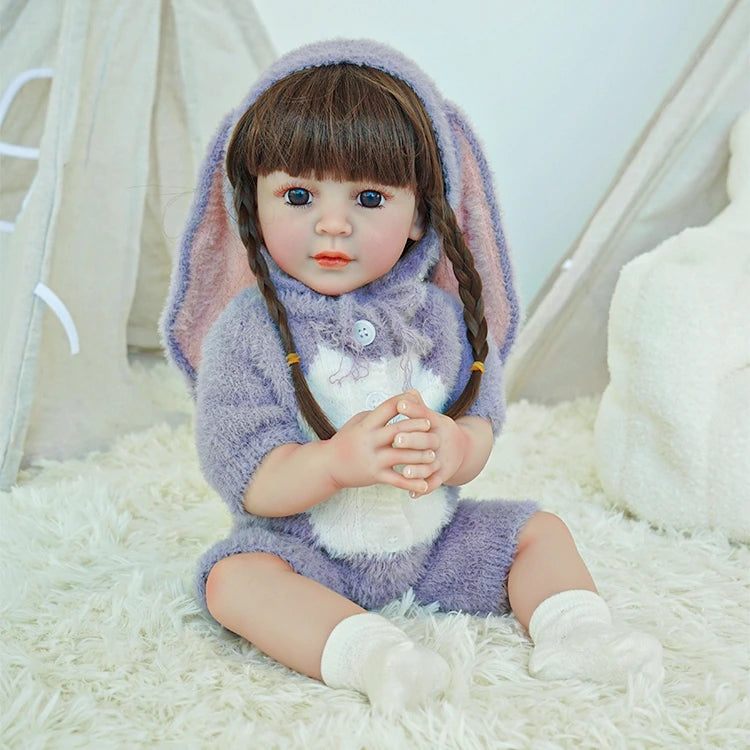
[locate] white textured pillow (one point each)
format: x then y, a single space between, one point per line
673 428
672 436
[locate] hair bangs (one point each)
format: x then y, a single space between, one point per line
336 122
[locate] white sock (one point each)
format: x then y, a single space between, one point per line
366 652
574 636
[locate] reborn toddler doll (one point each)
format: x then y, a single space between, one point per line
342 307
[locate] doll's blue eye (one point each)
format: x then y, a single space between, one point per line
297 196
370 199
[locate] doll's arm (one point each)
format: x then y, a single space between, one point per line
294 477
245 407
478 442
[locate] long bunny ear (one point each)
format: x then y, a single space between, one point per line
212 267
479 218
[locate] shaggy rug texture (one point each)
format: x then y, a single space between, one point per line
104 645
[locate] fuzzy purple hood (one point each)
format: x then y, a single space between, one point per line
212 268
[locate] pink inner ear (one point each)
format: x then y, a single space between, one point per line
475 219
444 276
218 271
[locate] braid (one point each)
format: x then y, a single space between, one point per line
470 292
244 203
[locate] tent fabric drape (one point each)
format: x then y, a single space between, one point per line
135 94
674 178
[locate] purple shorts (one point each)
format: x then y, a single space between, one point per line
465 569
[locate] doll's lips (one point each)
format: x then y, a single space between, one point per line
331 259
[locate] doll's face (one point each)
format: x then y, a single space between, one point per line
335 236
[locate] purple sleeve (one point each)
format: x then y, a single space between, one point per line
490 403
441 318
245 405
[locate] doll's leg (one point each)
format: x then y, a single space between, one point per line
553 595
316 631
287 616
546 562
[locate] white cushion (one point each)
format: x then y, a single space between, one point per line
673 430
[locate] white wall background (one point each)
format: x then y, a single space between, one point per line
558 90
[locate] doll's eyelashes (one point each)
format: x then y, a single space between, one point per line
297 196
370 199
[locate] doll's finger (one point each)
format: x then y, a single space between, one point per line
420 471
412 409
413 395
384 412
416 440
432 482
404 427
398 456
398 480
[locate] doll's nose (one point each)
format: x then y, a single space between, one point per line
334 223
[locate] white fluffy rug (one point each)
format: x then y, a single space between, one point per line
103 645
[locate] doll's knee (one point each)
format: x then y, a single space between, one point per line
542 527
236 573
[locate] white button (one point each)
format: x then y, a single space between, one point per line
374 399
364 332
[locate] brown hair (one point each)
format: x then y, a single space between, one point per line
348 122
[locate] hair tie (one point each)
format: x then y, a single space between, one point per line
477 366
292 359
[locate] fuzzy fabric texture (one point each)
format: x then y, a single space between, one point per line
105 646
245 407
464 569
245 398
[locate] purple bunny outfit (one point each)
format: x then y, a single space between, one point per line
403 330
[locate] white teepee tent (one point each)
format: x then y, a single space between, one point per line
106 112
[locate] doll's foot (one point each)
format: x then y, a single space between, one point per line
574 637
366 652
606 654
405 675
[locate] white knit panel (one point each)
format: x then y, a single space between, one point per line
381 519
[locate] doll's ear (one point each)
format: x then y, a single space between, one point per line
416 232
212 266
478 215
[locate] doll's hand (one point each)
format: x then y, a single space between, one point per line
365 450
445 438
